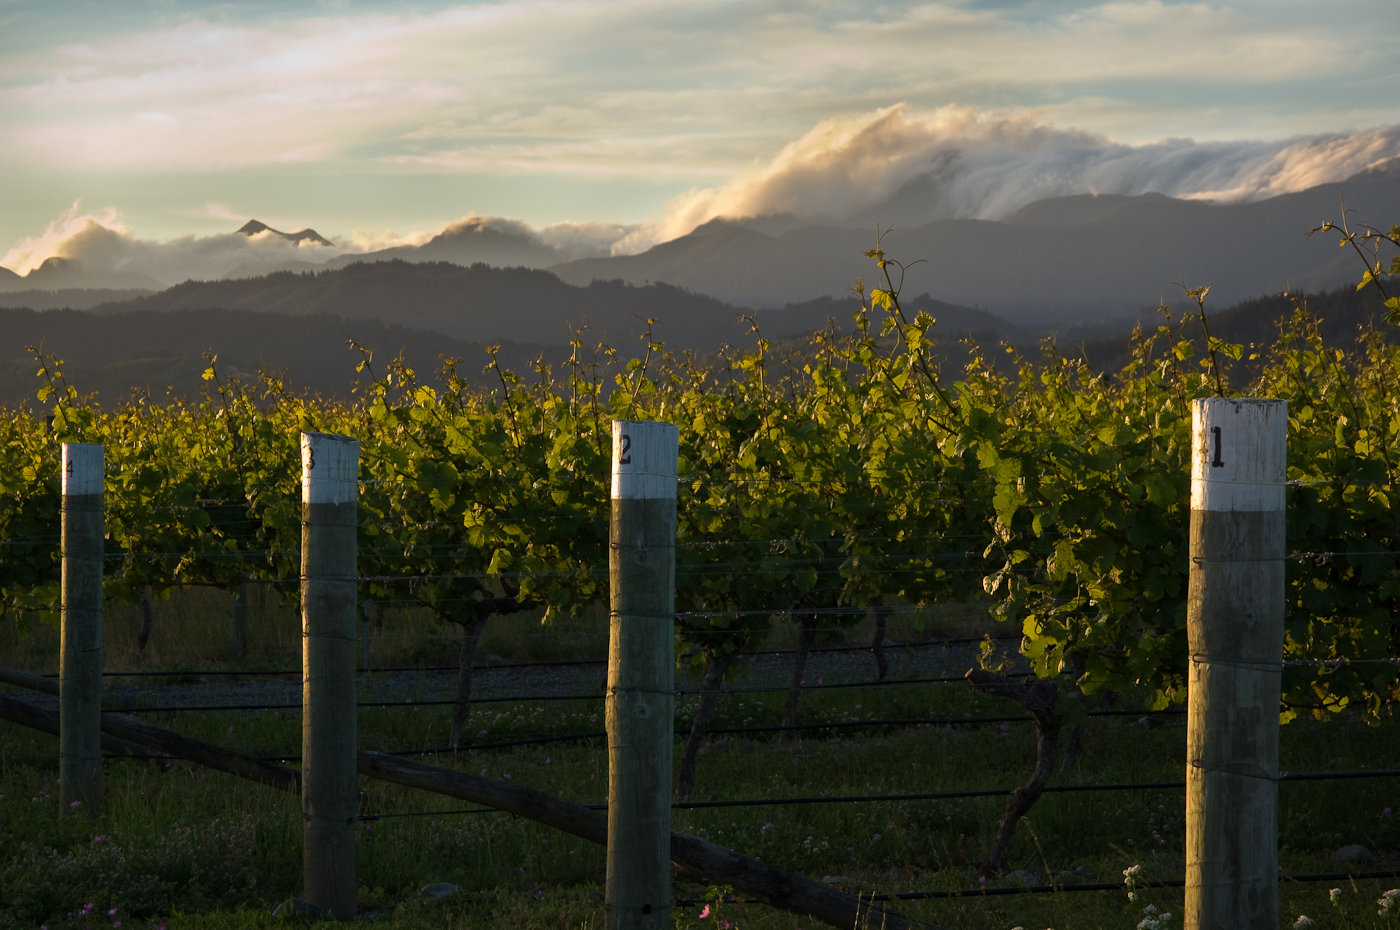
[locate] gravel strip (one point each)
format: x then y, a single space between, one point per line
497 679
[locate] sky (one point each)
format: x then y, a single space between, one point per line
630 121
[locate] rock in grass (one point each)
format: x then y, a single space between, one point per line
436 891
596 897
1023 877
296 907
1354 853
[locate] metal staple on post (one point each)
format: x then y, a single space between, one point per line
640 706
330 786
1235 613
80 660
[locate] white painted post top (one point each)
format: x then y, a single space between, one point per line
330 468
645 456
82 468
1239 454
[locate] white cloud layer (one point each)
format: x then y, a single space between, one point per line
887 166
102 243
893 167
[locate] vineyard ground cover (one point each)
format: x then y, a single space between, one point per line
930 846
164 820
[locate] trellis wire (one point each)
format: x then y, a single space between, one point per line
933 795
928 644
998 891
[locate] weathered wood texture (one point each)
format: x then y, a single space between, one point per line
1235 614
696 859
27 715
330 795
80 660
640 707
131 736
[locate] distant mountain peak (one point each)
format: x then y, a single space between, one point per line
253 227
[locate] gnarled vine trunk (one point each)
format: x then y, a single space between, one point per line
1039 698
805 637
471 638
145 635
716 666
877 644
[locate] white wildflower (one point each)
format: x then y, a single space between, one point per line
1152 920
1303 922
1130 877
1336 895
1388 901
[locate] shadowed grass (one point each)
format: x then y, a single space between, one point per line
187 848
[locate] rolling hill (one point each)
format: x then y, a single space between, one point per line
484 304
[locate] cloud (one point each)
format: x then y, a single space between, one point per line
100 242
895 166
31 251
220 211
585 240
675 90
363 240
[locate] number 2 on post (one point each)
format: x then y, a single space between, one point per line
624 455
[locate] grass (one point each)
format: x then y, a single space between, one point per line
181 847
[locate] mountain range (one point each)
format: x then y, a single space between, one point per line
57 274
253 227
1053 263
1066 259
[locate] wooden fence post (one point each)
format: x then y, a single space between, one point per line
1235 611
641 697
238 629
80 659
330 787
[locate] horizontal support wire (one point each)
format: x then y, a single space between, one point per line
998 891
689 543
848 724
830 724
929 644
943 796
